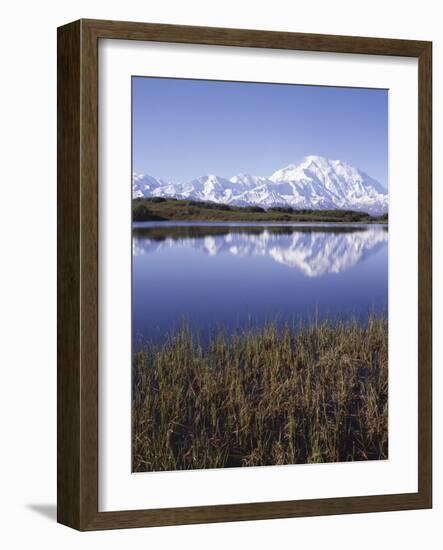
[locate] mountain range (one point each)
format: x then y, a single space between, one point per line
314 183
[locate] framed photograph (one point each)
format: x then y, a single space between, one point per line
244 274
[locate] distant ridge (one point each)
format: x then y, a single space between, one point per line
316 182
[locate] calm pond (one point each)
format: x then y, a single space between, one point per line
235 276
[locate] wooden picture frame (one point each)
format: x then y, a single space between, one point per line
78 274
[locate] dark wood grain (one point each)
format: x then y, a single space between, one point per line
425 273
78 270
89 275
68 276
254 38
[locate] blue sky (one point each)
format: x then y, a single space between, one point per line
183 129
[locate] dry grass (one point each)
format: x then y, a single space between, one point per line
265 397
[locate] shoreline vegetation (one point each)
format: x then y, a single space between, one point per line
263 397
161 209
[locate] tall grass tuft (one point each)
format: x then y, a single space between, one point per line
264 397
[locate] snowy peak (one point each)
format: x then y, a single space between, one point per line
144 185
289 173
325 183
334 175
248 181
210 183
315 182
206 188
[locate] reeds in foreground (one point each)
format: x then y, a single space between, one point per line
265 397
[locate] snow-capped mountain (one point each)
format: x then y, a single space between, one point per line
326 184
144 185
315 182
313 253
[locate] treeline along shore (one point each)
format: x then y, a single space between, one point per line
263 397
162 209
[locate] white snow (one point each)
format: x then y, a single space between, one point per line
315 182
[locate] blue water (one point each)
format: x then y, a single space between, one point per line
236 276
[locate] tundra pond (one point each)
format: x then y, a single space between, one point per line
231 277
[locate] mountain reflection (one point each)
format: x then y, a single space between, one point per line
313 250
